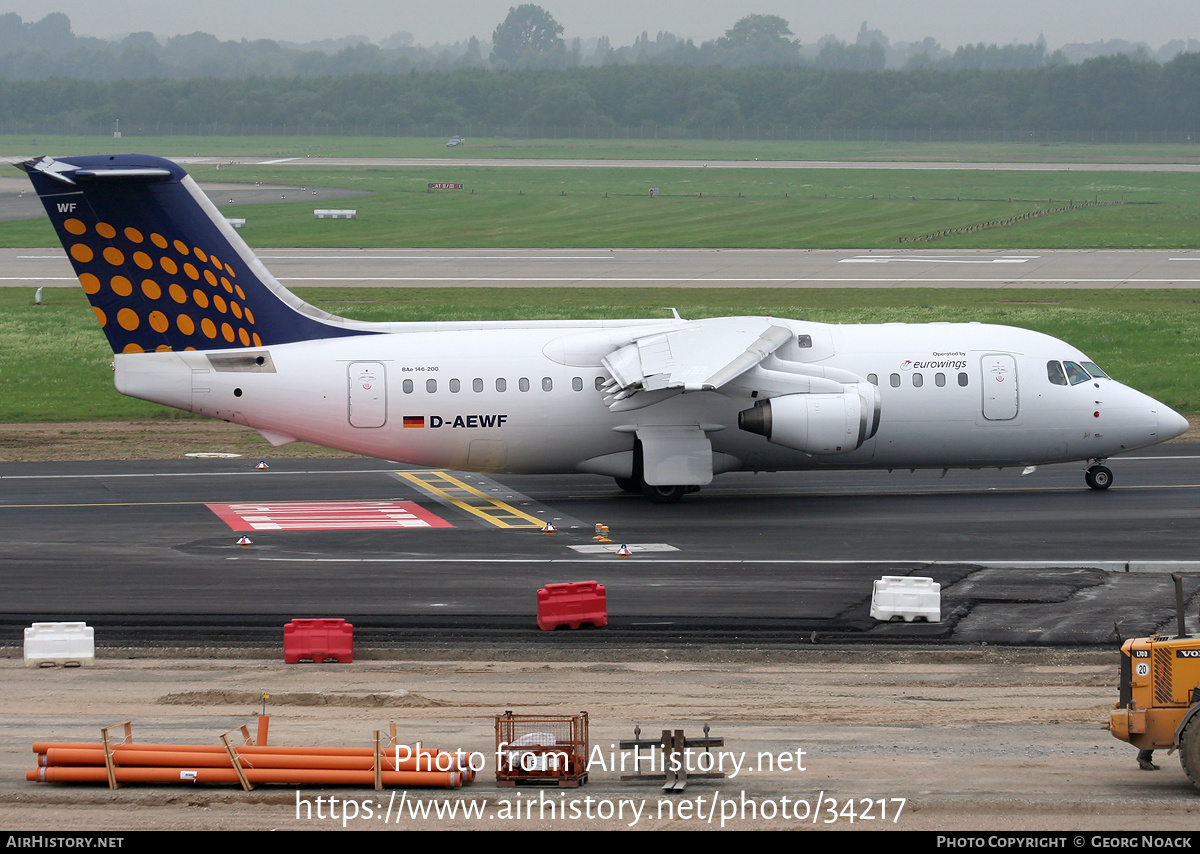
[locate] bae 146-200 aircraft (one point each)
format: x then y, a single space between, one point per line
197 322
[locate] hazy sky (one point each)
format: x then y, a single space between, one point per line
951 22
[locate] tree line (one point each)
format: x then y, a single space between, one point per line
1105 94
528 37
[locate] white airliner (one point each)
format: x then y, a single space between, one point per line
197 322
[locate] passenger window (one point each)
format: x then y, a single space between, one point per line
804 341
918 380
599 383
873 379
547 384
455 385
894 379
477 385
577 383
1075 373
939 380
501 385
431 385
1054 373
962 380
407 386
523 383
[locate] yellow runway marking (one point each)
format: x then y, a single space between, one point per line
444 486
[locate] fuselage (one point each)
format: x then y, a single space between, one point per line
492 397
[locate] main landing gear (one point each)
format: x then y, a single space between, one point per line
1098 476
663 494
654 494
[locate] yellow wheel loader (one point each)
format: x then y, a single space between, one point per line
1159 705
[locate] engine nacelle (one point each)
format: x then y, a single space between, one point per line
817 423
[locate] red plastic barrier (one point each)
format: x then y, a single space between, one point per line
319 640
572 604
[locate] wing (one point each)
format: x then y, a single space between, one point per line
702 355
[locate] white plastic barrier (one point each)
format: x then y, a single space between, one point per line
66 644
906 598
329 214
236 222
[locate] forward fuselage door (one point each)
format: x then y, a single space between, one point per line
1000 394
368 394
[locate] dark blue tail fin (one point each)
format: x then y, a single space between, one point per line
159 263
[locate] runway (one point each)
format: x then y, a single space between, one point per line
1092 269
771 558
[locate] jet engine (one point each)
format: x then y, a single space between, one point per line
817 423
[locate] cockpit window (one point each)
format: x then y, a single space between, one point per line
1075 373
1054 371
1094 369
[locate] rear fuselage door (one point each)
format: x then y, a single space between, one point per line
368 394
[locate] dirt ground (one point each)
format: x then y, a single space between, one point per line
981 739
158 439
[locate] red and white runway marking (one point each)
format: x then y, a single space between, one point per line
326 516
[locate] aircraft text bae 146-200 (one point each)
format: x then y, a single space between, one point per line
198 323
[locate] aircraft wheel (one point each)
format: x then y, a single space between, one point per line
663 494
628 484
1189 750
1098 477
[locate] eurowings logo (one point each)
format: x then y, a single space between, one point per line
945 364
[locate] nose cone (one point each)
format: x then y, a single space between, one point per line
1133 420
1171 424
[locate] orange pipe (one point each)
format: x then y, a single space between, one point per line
44 746
131 756
292 777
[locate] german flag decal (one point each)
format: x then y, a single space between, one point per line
414 420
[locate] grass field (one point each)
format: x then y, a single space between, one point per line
1148 339
613 148
711 208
